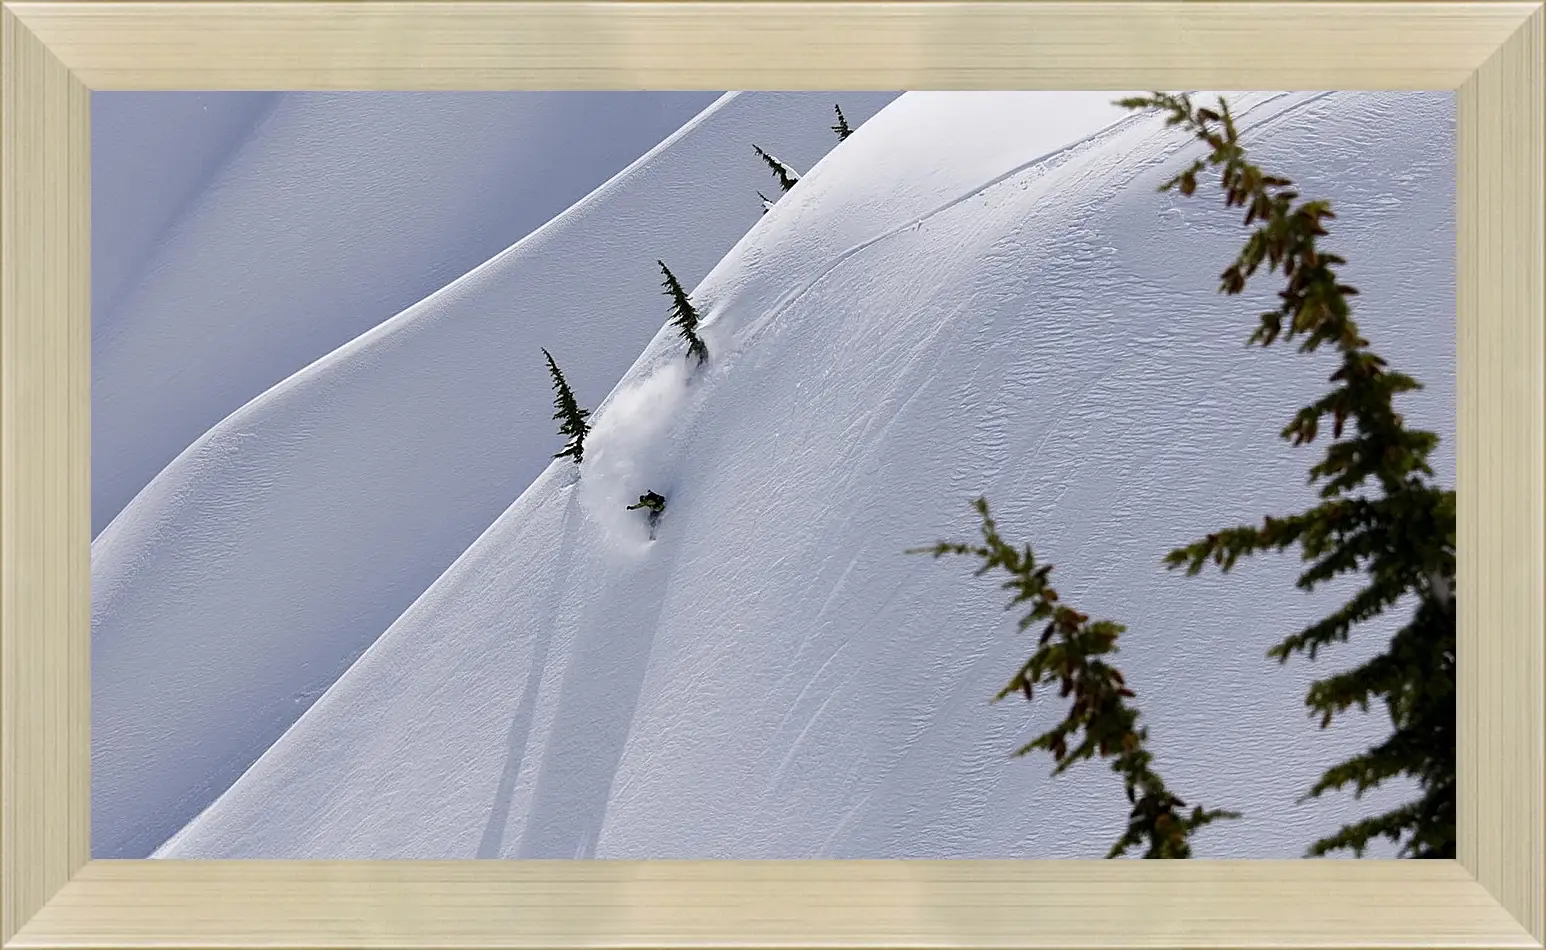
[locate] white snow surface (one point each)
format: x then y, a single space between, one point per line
954 302
333 212
152 154
232 591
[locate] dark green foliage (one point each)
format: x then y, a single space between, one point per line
683 316
1401 534
572 417
1100 721
787 176
767 202
842 128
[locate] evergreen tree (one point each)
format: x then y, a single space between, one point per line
767 202
572 417
1400 534
1100 720
683 316
787 176
842 128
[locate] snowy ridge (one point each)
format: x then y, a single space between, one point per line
334 213
931 314
256 566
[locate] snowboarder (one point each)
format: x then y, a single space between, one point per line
656 503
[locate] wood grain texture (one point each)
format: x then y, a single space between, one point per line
44 471
54 52
607 904
1501 422
782 44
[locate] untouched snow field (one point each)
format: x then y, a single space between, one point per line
250 572
332 213
153 153
958 300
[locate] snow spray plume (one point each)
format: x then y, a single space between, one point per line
630 451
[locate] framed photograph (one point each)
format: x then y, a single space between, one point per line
787 473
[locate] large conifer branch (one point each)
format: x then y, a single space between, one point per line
1315 305
1100 721
1405 540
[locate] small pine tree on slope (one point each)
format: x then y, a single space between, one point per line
842 128
1403 537
787 176
683 315
1069 655
571 416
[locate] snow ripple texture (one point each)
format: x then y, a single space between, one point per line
976 293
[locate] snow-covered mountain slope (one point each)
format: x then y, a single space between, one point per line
338 211
773 677
248 575
152 152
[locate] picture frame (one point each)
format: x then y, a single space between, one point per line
55 53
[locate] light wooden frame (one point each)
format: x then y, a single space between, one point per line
53 895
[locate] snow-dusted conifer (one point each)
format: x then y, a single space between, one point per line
683 315
571 416
842 128
767 202
787 176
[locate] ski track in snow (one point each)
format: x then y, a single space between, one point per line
1039 163
521 723
772 677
